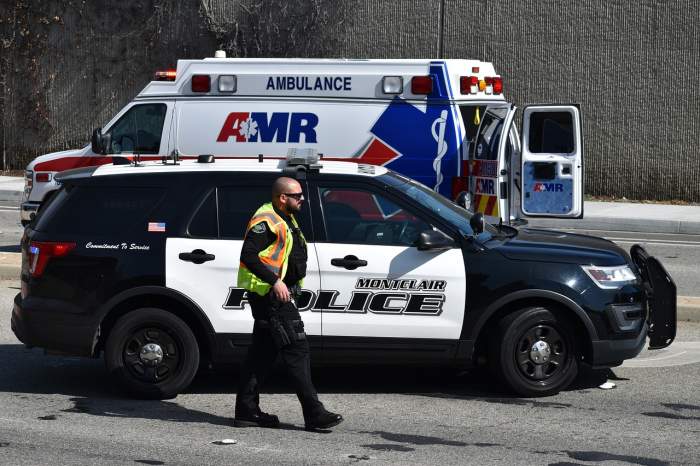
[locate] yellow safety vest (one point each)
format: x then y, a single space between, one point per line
275 256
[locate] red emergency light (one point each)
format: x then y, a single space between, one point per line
472 85
166 75
201 83
469 84
43 177
422 84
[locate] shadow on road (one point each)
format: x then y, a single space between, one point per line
31 372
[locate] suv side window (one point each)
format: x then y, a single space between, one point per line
139 130
237 204
359 216
96 210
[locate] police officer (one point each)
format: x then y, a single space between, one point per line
273 265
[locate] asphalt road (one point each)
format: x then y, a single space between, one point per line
64 410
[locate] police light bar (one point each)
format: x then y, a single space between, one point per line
227 83
164 75
392 84
305 156
422 84
201 83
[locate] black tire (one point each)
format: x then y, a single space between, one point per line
152 379
513 360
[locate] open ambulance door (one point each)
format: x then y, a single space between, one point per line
552 161
490 164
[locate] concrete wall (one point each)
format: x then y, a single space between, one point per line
67 66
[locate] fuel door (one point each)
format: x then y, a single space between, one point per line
552 161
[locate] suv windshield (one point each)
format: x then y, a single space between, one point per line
450 212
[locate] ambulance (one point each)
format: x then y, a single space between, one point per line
444 123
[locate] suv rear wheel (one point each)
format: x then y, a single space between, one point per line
152 353
534 352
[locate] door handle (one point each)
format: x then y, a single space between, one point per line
198 256
349 262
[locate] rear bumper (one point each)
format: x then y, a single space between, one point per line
611 353
52 329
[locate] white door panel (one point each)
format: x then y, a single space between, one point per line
208 284
401 292
552 161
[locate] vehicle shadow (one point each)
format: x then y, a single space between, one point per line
28 371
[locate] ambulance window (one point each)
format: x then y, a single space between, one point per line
356 216
139 130
237 204
204 223
551 133
486 147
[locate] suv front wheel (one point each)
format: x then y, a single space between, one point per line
152 353
535 352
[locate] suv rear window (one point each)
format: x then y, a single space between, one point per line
96 210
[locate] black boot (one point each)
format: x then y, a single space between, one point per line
258 419
324 420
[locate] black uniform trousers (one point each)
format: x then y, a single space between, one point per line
262 355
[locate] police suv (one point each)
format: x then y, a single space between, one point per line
444 123
397 274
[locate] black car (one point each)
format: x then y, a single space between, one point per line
138 262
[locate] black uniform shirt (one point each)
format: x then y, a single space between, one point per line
259 237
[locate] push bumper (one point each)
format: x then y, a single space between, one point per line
52 329
611 353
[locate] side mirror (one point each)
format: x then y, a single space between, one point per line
477 223
100 142
434 240
464 200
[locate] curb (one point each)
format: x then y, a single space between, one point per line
681 227
687 307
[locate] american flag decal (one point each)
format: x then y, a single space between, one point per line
156 226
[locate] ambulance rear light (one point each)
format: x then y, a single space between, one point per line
469 84
488 85
227 83
166 75
422 84
201 83
392 84
498 85
43 177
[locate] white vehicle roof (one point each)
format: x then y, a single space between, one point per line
324 78
236 165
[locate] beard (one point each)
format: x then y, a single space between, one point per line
294 208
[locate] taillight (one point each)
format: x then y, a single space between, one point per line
43 177
39 254
422 84
201 83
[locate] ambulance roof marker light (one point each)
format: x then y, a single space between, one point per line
201 83
392 84
165 75
227 83
498 85
422 84
220 54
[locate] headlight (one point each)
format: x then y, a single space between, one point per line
610 277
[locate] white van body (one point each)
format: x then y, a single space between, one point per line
444 123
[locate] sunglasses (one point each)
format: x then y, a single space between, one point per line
295 196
